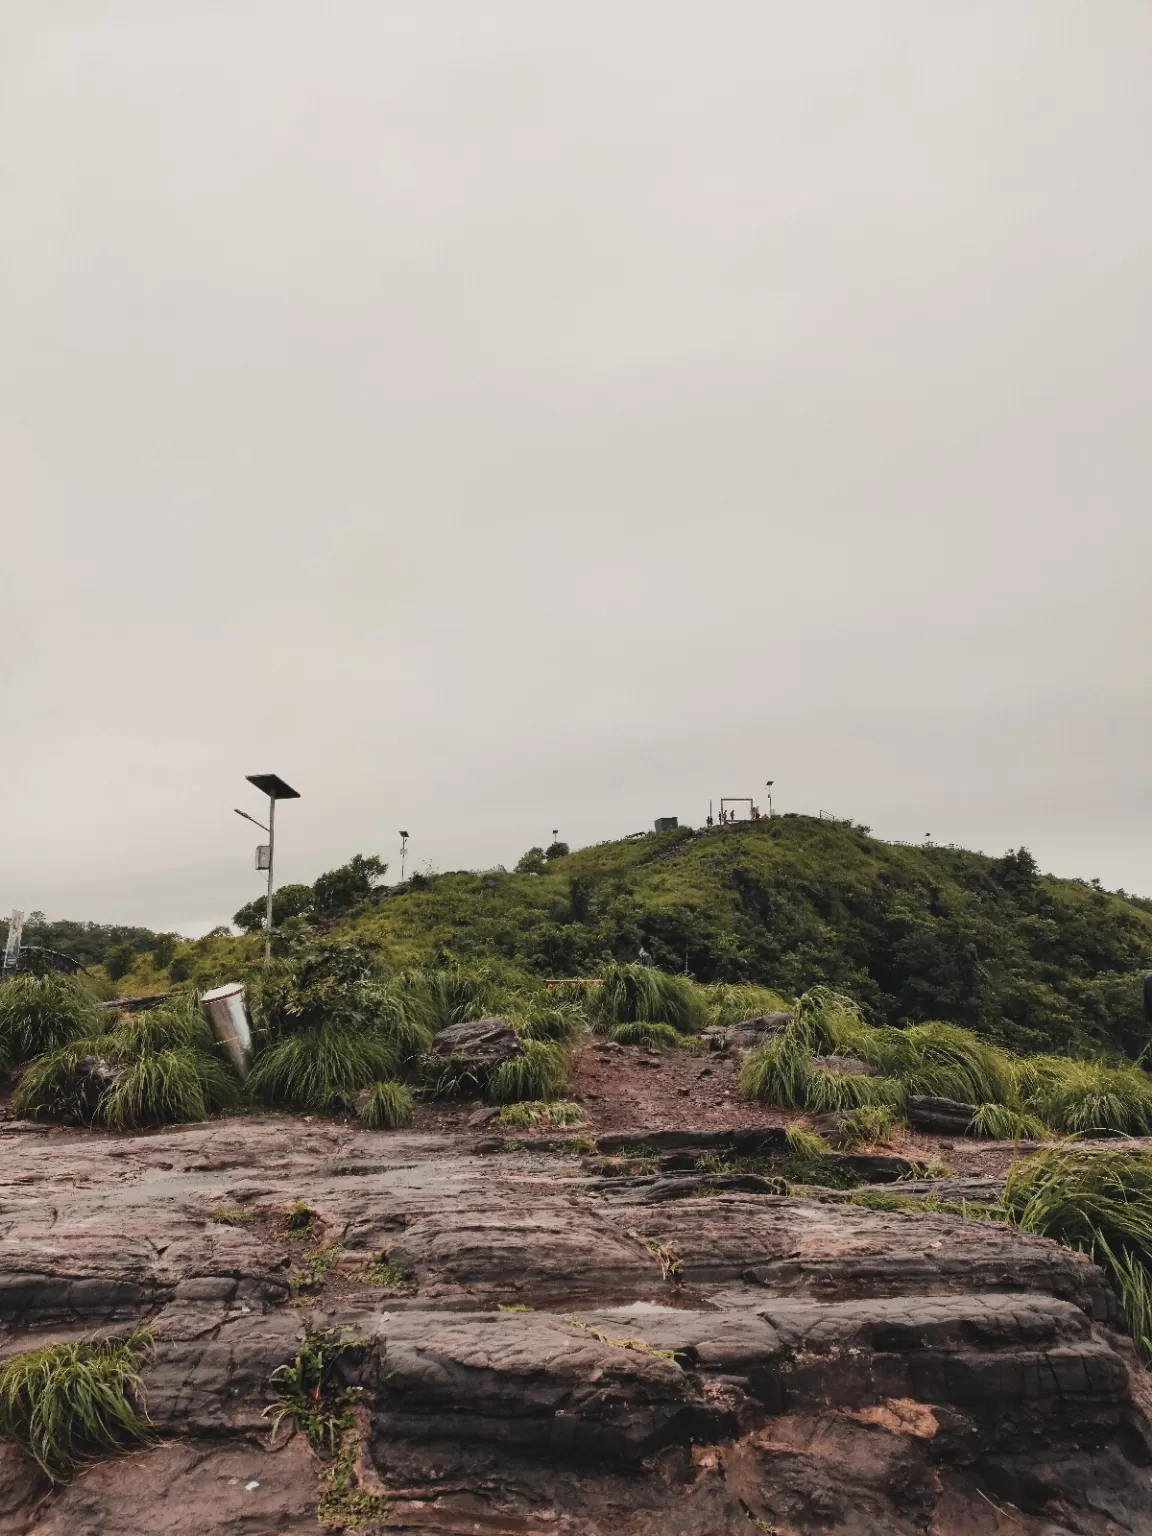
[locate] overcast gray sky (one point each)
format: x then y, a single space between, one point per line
499 415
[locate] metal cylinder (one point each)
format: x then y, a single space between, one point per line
228 1017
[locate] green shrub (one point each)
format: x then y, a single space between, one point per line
321 1070
167 1087
288 901
401 1020
629 994
451 994
344 889
450 1077
559 1112
1099 1202
73 1402
385 1106
540 1071
653 1037
43 1013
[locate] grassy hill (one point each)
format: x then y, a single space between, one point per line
914 933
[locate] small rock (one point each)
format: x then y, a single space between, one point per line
684 1091
478 1043
705 1072
482 1116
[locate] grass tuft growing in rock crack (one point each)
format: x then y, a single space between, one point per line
230 1215
309 1278
311 1392
666 1256
558 1112
639 1346
383 1271
70 1403
345 1505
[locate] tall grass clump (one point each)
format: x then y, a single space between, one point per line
653 1037
159 1067
1099 1202
322 1069
563 1023
1007 1122
828 1022
384 1106
733 1002
943 1061
43 1013
867 1125
451 994
1080 1096
630 994
779 1071
829 1091
540 1071
71 1403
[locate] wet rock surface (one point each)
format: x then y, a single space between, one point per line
539 1349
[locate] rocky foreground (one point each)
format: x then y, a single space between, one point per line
542 1350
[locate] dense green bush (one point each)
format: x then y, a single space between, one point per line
41 1013
288 901
322 1069
534 862
158 1067
733 1002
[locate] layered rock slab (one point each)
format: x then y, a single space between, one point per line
688 1367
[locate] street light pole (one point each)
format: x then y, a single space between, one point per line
271 859
275 788
768 785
